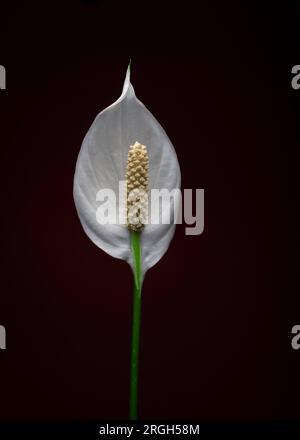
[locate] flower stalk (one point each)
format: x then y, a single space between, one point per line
136 324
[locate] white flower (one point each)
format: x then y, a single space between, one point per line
102 163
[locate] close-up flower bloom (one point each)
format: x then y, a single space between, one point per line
126 143
102 163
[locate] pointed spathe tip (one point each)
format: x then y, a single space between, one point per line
129 65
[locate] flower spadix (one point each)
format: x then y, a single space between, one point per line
136 187
126 143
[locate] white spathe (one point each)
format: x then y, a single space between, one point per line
102 164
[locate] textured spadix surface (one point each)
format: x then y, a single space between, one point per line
102 164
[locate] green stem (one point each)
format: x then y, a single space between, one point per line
136 323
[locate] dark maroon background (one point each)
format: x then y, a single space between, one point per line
218 309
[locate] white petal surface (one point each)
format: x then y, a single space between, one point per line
102 163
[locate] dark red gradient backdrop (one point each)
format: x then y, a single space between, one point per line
217 310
